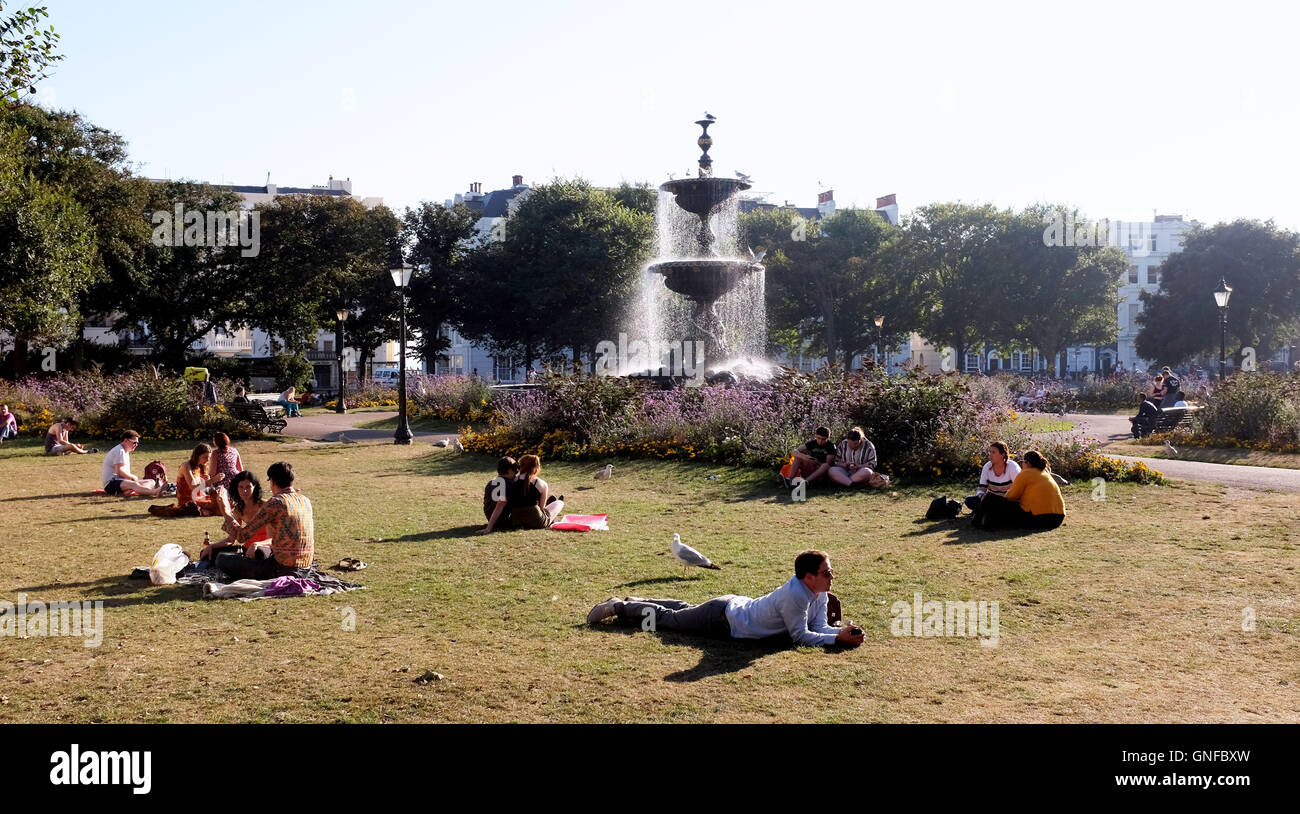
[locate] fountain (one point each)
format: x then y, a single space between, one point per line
714 296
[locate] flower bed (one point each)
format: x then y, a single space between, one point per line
925 427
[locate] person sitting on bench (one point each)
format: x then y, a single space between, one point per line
1147 416
796 609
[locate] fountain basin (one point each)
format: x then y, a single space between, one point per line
704 279
701 196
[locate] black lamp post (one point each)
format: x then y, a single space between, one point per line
880 340
342 315
401 279
1221 295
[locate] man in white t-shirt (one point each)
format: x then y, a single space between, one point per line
116 475
796 609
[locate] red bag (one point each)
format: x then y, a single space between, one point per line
157 472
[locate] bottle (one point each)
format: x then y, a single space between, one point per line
207 541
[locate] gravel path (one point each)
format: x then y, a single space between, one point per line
330 426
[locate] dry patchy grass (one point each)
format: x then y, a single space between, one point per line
1132 611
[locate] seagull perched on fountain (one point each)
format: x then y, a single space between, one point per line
742 176
606 473
689 557
710 116
1170 448
757 258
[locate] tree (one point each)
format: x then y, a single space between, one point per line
26 52
1262 265
317 253
829 279
62 150
437 240
1063 295
565 275
956 257
187 281
46 242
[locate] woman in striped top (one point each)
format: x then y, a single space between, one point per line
996 476
855 460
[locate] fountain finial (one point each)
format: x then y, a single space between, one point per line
705 141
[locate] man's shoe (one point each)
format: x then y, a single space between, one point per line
604 610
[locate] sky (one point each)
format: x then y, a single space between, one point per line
1119 109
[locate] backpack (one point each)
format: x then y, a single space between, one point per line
157 472
941 508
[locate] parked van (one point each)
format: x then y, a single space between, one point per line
387 376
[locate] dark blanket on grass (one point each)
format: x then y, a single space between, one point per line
195 576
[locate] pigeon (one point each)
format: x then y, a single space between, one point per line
690 557
441 442
710 116
712 477
1170 448
345 440
606 473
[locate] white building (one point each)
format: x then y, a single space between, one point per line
1148 246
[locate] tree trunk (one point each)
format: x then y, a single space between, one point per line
19 361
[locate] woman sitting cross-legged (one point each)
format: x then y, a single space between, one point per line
191 488
289 401
529 499
246 501
1033 502
855 461
996 476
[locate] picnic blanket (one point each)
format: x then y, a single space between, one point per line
582 522
325 582
246 590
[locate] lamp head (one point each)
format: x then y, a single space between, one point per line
880 321
401 276
1222 293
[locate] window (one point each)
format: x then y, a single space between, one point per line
1153 243
1132 274
1133 310
1153 276
503 370
329 346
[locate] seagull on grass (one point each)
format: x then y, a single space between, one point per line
606 473
689 557
441 442
345 440
459 446
1170 448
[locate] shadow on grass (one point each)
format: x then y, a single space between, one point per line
81 495
961 532
444 534
53 586
718 655
655 581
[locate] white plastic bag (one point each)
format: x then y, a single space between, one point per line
169 559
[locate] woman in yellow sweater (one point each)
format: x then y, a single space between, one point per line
1033 502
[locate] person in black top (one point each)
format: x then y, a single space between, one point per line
813 459
240 397
530 502
496 496
1145 420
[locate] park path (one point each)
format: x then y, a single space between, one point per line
330 426
1109 428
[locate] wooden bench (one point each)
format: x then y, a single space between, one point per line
256 414
1169 420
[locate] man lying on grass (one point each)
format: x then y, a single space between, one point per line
797 608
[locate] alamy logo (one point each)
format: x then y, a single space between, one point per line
934 618
211 228
641 358
91 768
1062 230
23 619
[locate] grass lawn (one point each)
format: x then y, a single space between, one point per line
1037 423
1132 611
1239 456
419 425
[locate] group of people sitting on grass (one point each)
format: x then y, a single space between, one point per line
1012 496
518 499
266 537
1166 394
851 462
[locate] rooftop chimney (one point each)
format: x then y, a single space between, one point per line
888 200
517 181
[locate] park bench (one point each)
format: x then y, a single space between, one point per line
256 414
1170 420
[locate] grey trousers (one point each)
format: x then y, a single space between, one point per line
674 614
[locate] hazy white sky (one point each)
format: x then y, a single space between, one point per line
1117 108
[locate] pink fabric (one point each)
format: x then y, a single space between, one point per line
582 522
224 465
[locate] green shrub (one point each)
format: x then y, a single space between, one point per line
1261 408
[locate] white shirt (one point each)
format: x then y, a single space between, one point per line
989 482
791 609
117 455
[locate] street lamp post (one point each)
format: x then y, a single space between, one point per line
342 315
1221 295
880 340
401 279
